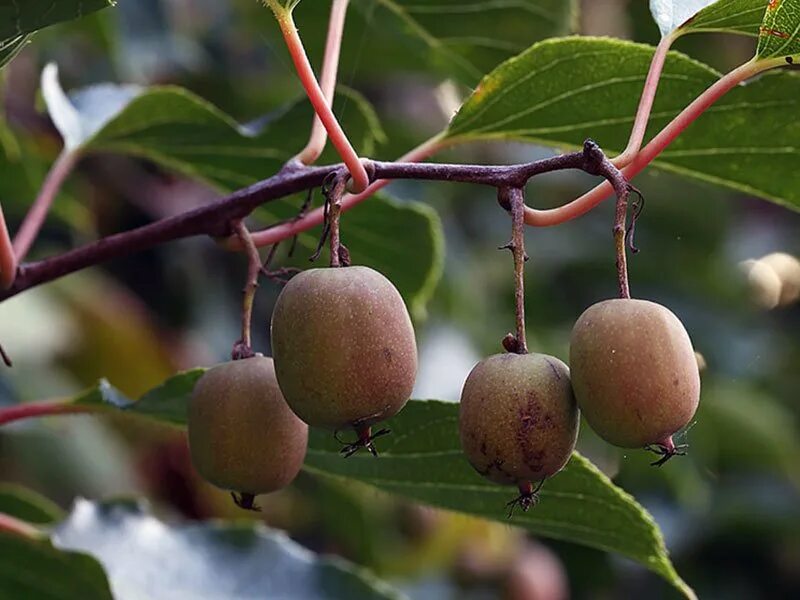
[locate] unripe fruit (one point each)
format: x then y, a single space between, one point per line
634 373
518 419
242 435
344 348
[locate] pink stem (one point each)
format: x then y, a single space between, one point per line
8 260
576 208
360 178
645 103
9 524
273 235
36 215
31 410
330 68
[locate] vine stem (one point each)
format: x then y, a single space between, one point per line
215 219
9 524
8 261
244 347
582 205
316 217
32 410
327 83
33 221
646 102
358 173
513 200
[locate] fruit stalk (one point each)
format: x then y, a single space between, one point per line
513 200
334 200
619 242
244 347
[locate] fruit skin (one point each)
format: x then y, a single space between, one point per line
518 418
242 435
634 372
344 347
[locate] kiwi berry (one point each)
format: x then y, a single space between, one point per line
635 374
344 348
518 420
242 435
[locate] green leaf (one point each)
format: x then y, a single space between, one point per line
779 36
422 460
166 403
31 568
560 92
444 38
182 132
729 16
26 505
669 15
206 561
20 17
378 234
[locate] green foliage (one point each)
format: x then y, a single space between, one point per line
35 569
560 92
780 32
19 18
422 460
728 16
21 503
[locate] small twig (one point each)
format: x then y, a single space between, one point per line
244 347
638 207
281 275
513 200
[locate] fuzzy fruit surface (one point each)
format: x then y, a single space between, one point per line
634 372
242 435
344 347
518 419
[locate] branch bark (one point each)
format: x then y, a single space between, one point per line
217 219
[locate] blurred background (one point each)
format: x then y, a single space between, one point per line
722 261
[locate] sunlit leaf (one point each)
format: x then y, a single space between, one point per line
779 36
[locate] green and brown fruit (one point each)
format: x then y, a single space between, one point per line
518 418
634 373
344 347
242 435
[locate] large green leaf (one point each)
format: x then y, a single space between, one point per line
458 39
731 16
179 130
206 561
560 92
33 568
26 505
422 460
779 36
20 17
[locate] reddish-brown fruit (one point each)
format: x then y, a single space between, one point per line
242 435
344 347
634 372
518 419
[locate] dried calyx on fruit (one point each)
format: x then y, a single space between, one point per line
345 351
242 435
635 374
518 421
